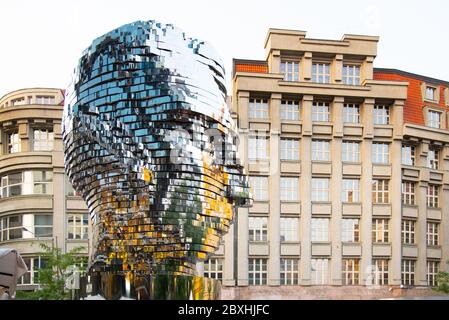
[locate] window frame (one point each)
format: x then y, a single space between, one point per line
321 150
381 114
353 79
289 229
351 113
257 271
320 190
321 111
381 191
381 230
257 229
350 271
290 110
321 72
259 108
289 271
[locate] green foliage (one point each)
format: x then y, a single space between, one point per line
443 281
53 274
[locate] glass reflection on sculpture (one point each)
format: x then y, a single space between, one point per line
151 146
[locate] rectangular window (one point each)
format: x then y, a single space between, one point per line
408 193
259 187
433 268
213 268
433 196
258 229
257 272
351 271
14 142
408 232
380 153
408 272
380 231
77 226
43 225
290 69
290 149
350 230
49 100
321 72
257 148
351 151
18 102
320 111
321 150
258 109
380 272
43 139
381 114
289 229
351 75
33 265
320 271
430 93
380 191
433 157
351 191
320 229
289 189
289 271
11 228
408 155
433 238
351 113
11 185
43 182
434 119
320 189
290 110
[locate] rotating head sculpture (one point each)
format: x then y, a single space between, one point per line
151 146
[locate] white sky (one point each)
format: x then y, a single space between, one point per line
41 40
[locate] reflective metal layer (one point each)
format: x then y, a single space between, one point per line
151 145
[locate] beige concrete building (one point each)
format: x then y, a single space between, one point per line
37 204
322 141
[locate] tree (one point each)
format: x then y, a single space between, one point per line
443 281
53 274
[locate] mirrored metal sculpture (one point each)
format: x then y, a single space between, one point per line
151 146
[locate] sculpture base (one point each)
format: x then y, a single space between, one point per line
112 286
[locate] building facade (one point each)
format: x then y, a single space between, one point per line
37 204
323 136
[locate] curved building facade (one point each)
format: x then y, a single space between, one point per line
37 204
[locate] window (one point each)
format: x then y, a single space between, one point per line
380 272
320 111
350 151
431 93
350 230
11 228
380 191
433 157
350 192
434 119
33 265
432 196
257 272
432 234
14 142
408 231
320 271
258 108
18 102
11 185
257 148
408 272
321 72
70 190
381 114
213 268
290 149
290 69
289 189
320 189
320 150
320 229
351 75
43 182
258 229
45 100
43 225
289 271
77 226
290 110
351 270
408 155
259 187
380 230
289 230
43 139
351 113
380 153
433 268
408 193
